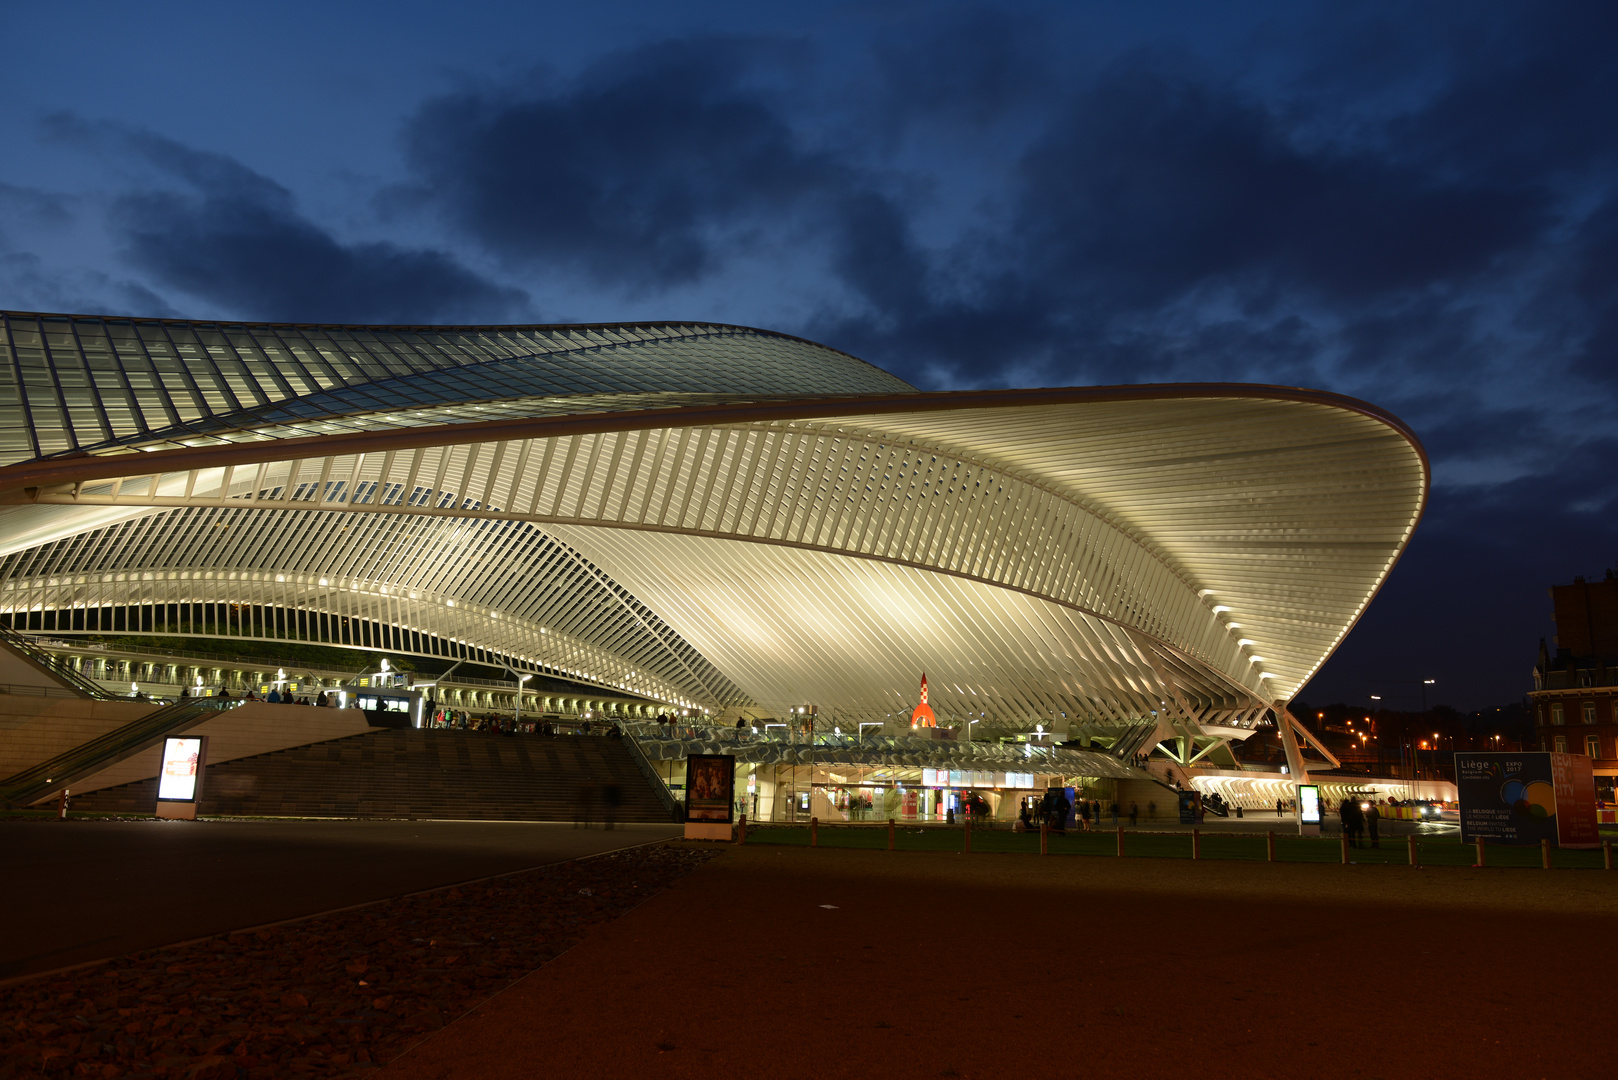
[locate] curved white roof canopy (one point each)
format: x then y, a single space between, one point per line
819 533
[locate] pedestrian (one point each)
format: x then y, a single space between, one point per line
1373 817
1115 811
1278 808
1348 812
274 697
1134 811
612 797
1151 810
584 803
1084 815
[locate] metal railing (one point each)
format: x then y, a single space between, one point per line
780 745
40 691
259 663
672 805
49 778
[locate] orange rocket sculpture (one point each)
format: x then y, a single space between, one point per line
923 716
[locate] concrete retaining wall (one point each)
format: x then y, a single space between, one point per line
256 727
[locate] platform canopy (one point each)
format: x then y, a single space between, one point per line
712 516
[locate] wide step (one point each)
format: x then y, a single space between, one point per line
417 774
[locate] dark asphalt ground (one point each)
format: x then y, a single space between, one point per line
79 891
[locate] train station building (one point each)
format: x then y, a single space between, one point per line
692 535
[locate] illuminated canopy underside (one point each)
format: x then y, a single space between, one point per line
727 517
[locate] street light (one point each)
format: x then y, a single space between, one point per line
517 714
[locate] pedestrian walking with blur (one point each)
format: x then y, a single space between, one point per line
1348 811
1134 812
1373 817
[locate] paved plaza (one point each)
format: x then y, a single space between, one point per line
87 890
774 961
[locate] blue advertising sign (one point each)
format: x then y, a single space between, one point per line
1190 808
1506 798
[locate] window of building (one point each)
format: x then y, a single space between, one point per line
1561 744
1592 746
1556 714
1589 712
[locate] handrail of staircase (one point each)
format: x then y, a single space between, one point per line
56 665
48 778
672 805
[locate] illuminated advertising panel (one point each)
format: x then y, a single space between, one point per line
710 787
1524 798
182 763
1309 804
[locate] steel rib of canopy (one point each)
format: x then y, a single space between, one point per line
1102 551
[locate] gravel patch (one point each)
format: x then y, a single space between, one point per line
330 996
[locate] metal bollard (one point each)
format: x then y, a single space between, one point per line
1269 845
814 832
1044 838
1345 849
1415 858
1196 844
890 834
61 806
1606 854
1545 854
741 830
1120 841
969 833
1483 859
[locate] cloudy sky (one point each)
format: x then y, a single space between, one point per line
1413 204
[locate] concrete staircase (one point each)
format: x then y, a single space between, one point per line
417 774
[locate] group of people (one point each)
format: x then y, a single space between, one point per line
274 697
1358 820
1052 808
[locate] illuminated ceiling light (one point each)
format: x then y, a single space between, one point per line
323 581
280 577
1221 607
1245 641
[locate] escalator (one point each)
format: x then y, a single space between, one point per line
54 667
50 778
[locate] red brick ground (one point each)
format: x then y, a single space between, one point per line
953 965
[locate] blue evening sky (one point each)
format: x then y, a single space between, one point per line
1416 204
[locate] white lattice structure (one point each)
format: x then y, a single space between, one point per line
710 515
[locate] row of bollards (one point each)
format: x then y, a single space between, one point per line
1196 843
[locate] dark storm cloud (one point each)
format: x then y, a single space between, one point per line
1593 287
1156 184
1147 191
234 238
636 174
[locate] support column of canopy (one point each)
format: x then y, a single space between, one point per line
1291 728
1185 730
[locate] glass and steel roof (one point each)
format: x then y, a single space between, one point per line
713 514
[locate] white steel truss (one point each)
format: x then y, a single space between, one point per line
1184 555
